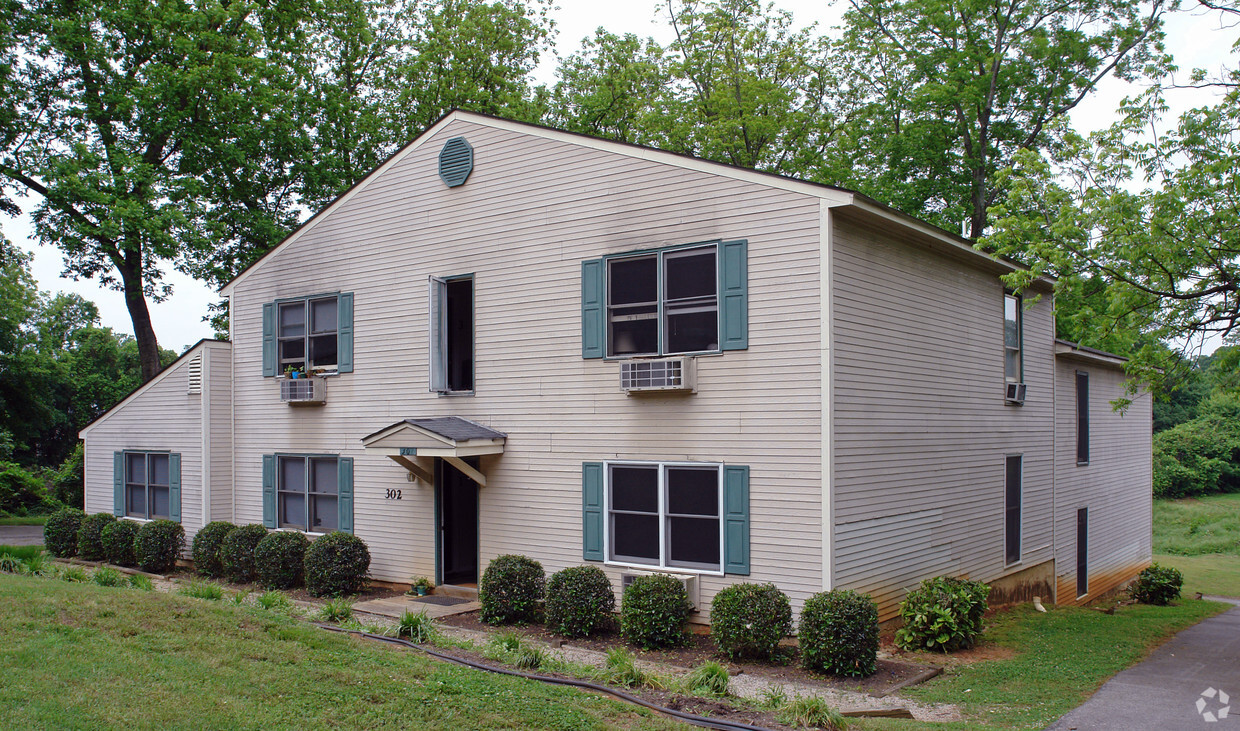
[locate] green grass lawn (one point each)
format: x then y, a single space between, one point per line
1198 526
83 656
1213 573
26 520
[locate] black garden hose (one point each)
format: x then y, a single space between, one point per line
703 721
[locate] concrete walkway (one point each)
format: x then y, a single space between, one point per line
21 535
1177 687
395 606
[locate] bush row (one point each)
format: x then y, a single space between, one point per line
335 564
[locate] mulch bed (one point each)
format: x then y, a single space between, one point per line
701 649
299 594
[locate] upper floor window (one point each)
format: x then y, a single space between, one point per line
307 334
307 493
452 334
1082 417
663 303
148 490
1013 368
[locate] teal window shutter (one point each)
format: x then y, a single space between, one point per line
269 490
118 483
592 511
269 339
734 295
344 497
344 333
592 309
736 519
174 487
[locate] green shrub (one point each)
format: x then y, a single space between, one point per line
60 532
237 552
838 633
279 559
708 680
274 601
654 612
108 576
74 575
773 697
336 564
621 669
336 610
90 545
117 538
206 548
511 588
749 620
158 545
66 485
143 583
943 613
10 564
1157 585
811 712
202 590
419 627
39 564
1201 456
21 493
579 602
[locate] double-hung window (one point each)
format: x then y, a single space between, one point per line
1012 365
307 334
663 303
665 515
307 493
148 490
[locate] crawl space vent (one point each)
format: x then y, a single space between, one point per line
456 162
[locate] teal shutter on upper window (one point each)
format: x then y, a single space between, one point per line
592 309
344 499
269 339
344 333
736 519
734 295
269 490
118 483
592 511
174 487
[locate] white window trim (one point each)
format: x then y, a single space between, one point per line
331 370
662 566
661 302
308 495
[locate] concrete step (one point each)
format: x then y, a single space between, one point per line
461 591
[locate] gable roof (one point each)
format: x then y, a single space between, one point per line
832 195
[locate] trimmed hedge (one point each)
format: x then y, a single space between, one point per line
206 548
1157 585
60 532
336 564
90 547
118 538
749 620
654 612
237 552
838 633
943 613
510 590
279 559
157 545
579 602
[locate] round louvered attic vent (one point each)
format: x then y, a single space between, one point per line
456 162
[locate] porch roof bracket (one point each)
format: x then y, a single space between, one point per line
467 470
415 469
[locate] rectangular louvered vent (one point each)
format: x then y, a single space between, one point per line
195 374
303 391
665 374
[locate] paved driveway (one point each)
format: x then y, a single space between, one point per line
21 535
1164 691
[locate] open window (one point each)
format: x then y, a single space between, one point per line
452 334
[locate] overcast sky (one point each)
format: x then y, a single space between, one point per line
1198 40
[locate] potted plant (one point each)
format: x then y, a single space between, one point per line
291 372
421 586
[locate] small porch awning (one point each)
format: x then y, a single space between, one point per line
410 442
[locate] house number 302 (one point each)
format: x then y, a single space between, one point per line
393 494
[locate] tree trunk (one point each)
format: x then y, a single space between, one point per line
140 316
977 219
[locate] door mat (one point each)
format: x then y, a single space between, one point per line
442 601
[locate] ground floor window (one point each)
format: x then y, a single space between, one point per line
665 515
307 493
147 489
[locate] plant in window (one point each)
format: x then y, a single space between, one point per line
206 548
279 559
60 532
336 564
90 547
749 620
117 538
654 611
511 588
237 552
580 601
943 613
158 544
838 633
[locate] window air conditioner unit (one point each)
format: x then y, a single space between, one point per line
1015 393
663 374
690 582
303 391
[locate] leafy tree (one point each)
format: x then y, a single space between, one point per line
18 294
957 87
